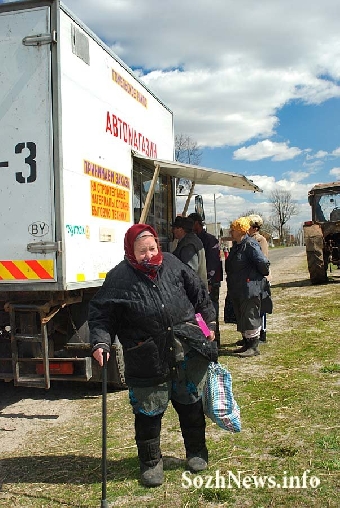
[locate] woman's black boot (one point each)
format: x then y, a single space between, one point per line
192 422
151 462
252 349
148 429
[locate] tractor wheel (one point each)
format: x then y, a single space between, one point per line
316 267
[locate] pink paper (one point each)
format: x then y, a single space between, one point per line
202 324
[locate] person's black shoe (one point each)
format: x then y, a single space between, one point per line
196 464
251 349
263 336
232 352
152 476
198 461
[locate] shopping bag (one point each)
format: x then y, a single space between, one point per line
218 400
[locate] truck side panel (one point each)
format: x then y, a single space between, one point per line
106 113
26 171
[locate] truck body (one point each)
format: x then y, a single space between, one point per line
86 150
322 233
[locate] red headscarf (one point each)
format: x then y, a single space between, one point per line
149 267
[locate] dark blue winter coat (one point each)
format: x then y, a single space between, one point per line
246 268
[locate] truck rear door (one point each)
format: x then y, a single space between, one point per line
27 226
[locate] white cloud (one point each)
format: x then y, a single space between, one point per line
335 172
267 149
208 104
336 152
321 154
296 176
225 68
298 191
313 166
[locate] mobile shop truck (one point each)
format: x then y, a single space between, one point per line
86 150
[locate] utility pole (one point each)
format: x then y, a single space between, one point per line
215 214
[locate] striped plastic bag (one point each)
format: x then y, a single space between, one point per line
218 400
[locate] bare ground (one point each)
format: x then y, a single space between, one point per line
25 411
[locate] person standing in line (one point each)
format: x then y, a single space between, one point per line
214 265
189 248
246 268
254 232
149 300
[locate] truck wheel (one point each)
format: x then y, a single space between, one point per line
316 267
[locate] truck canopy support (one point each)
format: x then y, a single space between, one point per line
149 196
187 202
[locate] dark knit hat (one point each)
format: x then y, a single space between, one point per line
196 218
183 222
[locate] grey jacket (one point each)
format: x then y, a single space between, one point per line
190 251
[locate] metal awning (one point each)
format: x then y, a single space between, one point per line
198 174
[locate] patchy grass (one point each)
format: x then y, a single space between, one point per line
331 368
290 405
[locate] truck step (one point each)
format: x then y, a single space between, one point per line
32 382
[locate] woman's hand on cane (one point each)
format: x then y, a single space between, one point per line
98 355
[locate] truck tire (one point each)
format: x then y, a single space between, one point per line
316 267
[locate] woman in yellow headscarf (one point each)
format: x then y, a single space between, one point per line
246 268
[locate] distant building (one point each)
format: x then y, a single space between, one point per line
211 228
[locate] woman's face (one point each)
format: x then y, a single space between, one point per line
237 235
145 248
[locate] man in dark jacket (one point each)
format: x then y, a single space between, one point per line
246 268
149 301
189 248
214 265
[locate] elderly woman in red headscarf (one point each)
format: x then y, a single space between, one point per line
149 300
246 268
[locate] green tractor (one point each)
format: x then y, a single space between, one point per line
322 233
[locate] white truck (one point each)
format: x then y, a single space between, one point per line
86 150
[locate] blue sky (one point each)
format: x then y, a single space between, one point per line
255 84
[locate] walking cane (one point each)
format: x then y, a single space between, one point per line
104 503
